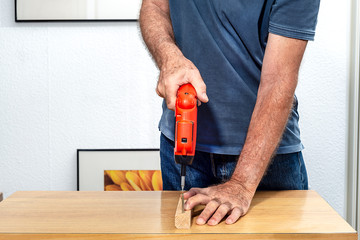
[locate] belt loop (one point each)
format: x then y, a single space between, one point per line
213 164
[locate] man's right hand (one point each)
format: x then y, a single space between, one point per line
175 69
175 73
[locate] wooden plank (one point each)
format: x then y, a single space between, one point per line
1 196
142 215
182 219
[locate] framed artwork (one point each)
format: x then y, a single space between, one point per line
76 10
118 170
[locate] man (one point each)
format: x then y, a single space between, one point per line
243 59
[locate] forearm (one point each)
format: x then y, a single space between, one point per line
267 124
271 112
175 69
157 32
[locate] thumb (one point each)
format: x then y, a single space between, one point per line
200 87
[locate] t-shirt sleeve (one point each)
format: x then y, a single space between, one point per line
294 18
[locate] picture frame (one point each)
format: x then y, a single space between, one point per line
91 164
76 10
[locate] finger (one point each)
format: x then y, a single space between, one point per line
196 200
158 92
234 216
170 102
160 87
200 87
207 212
220 213
198 102
170 95
192 192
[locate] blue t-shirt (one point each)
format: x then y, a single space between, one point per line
226 41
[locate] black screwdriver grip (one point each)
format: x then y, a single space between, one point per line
183 170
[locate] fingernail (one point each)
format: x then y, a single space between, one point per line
211 222
205 97
200 221
186 206
228 221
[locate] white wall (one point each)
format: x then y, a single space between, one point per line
323 103
65 86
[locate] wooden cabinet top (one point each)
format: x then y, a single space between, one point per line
137 215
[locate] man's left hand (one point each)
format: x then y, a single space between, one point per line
223 199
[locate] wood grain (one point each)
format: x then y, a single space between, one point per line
142 215
182 219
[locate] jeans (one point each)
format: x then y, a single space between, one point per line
285 172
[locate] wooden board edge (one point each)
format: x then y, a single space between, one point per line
182 219
1 196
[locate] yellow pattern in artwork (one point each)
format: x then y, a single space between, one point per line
132 180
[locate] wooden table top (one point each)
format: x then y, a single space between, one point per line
143 215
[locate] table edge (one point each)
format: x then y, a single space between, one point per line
181 236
